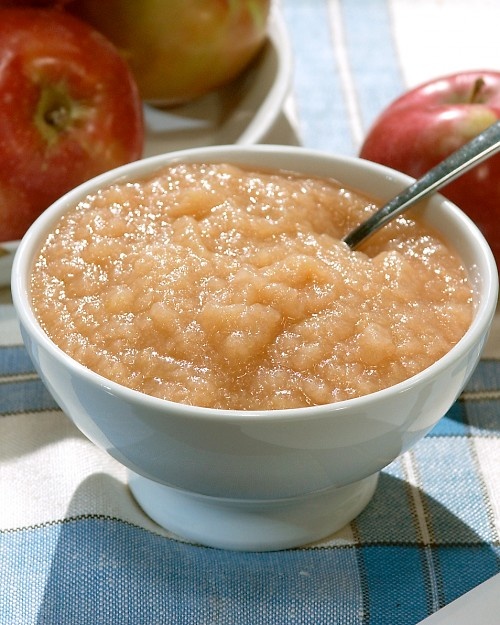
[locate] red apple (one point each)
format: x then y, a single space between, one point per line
429 122
69 110
180 49
33 3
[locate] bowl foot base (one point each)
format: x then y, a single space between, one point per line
252 525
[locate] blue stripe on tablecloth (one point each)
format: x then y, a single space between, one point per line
483 416
386 518
25 396
395 579
317 89
447 496
358 85
476 412
21 394
100 571
373 57
486 377
463 568
14 361
453 493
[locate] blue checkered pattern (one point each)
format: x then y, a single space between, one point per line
76 550
415 548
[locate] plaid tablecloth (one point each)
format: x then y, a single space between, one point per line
76 549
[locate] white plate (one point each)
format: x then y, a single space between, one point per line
244 112
479 605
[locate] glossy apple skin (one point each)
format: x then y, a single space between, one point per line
69 110
180 49
427 123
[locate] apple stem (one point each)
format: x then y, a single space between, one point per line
58 118
54 112
477 88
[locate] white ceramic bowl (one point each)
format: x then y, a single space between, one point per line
260 480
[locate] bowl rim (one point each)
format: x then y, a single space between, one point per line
31 242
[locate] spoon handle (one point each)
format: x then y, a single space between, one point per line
460 161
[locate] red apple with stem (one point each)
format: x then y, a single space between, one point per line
180 49
427 123
69 110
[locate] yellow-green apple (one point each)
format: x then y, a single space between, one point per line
69 110
430 121
180 49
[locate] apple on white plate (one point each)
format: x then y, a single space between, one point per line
179 50
429 122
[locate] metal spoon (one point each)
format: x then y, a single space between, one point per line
469 155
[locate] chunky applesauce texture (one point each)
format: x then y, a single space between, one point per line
224 287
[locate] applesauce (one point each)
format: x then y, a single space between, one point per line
224 287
